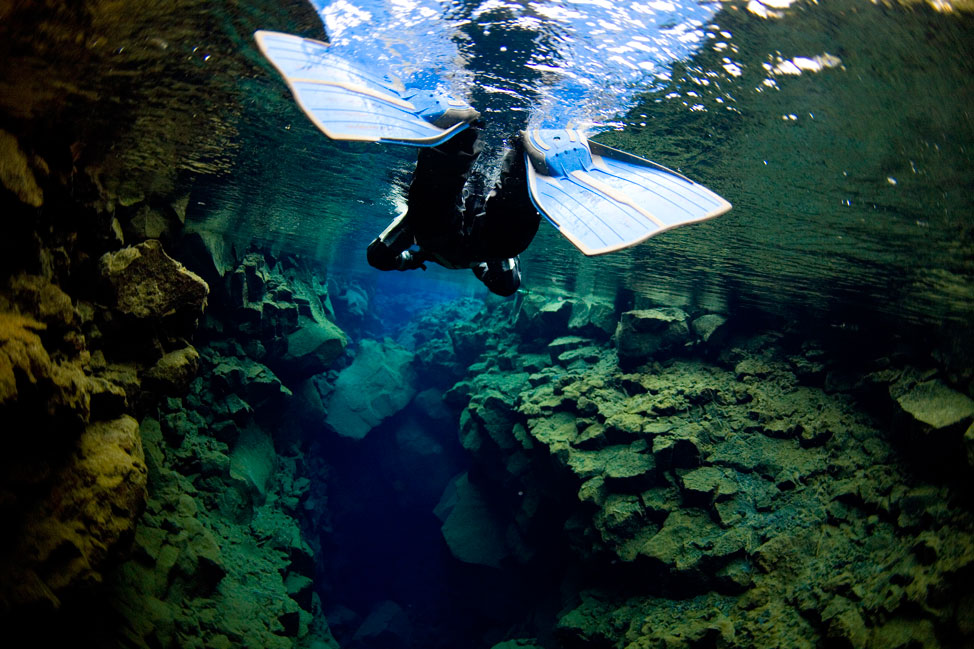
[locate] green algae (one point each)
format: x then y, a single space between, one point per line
740 484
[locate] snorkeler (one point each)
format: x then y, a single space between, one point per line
601 199
452 224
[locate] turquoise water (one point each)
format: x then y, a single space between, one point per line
842 132
839 131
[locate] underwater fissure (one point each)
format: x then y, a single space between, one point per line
223 429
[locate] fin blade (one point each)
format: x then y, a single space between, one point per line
618 200
345 101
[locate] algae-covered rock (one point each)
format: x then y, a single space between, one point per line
146 283
37 297
150 222
253 460
378 384
681 543
643 333
31 383
243 377
543 316
707 485
592 317
312 347
937 406
173 372
708 327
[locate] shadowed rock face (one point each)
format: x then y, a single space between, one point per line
739 501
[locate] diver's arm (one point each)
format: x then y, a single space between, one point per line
390 250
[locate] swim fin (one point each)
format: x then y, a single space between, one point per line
348 102
603 199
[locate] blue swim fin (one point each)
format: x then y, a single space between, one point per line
348 102
602 199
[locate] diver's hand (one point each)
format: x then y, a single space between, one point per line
410 260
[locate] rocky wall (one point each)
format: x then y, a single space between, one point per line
92 333
150 489
710 486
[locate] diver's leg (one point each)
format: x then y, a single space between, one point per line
436 192
502 277
510 220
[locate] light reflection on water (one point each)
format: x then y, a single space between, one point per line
838 131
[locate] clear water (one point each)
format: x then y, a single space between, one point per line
840 131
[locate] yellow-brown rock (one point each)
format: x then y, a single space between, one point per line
25 366
15 172
90 509
149 284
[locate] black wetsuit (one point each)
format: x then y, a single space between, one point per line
485 235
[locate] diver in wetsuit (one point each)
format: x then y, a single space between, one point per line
452 224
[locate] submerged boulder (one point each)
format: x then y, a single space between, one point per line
937 406
378 384
470 529
312 348
173 372
148 284
644 333
15 172
710 327
386 626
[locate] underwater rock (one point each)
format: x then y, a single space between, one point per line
69 537
385 627
520 643
312 348
253 461
543 316
683 541
32 385
37 297
709 326
146 283
207 252
15 172
707 485
149 222
593 318
471 530
430 402
241 375
173 372
642 334
937 406
378 384
590 624
283 314
216 533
